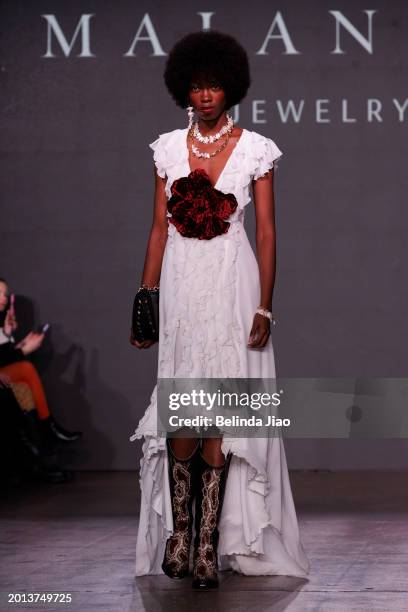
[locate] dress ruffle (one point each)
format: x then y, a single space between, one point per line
159 155
265 155
251 159
208 342
262 538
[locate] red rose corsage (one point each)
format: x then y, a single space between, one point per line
198 209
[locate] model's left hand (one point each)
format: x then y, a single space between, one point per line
260 331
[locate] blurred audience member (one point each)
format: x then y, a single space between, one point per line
16 366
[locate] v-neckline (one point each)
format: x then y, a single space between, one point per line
226 163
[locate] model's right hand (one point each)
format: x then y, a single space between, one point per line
141 345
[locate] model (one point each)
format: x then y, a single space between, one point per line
215 321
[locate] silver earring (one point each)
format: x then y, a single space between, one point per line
190 111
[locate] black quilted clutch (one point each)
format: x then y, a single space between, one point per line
145 315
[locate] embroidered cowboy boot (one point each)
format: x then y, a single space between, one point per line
182 489
209 500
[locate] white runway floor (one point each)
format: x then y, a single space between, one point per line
79 538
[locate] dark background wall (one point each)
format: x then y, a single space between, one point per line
77 194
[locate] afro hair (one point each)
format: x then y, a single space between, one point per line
210 55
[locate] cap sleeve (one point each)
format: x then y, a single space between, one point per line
267 154
159 156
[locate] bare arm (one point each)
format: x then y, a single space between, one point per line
265 236
266 252
158 235
156 244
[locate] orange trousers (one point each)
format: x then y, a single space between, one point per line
24 371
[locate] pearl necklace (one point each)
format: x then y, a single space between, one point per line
227 128
204 154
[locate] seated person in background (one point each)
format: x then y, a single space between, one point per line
14 364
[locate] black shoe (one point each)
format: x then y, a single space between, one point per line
29 433
22 452
209 500
182 489
53 430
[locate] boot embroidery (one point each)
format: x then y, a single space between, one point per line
177 551
206 562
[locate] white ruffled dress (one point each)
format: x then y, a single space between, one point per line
209 291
